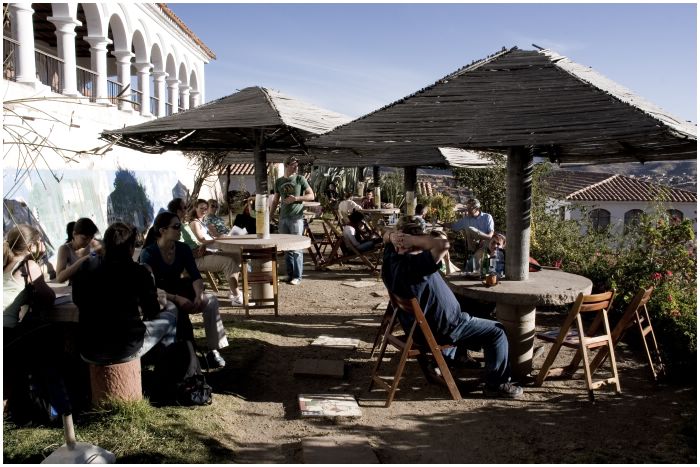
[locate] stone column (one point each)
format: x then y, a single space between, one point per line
144 74
65 37
98 64
159 88
21 14
410 176
124 76
519 166
173 84
194 98
185 96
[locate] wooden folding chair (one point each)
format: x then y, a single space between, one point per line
386 319
211 278
582 340
260 277
637 314
337 256
318 246
424 346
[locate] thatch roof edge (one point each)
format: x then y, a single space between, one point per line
592 77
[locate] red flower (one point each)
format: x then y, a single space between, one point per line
656 276
670 298
669 273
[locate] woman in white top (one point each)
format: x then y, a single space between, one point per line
347 207
77 249
215 260
354 235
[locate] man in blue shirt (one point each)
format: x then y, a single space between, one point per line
410 269
478 226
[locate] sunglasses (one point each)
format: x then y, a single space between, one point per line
175 226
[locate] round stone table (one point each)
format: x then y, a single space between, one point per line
283 242
516 302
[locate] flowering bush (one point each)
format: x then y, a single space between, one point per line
655 252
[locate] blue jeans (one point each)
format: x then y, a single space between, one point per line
161 329
477 333
293 259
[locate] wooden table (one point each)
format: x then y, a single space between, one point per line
516 302
283 242
375 214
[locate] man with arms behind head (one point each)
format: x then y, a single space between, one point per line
410 269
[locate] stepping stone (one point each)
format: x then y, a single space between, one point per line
368 322
346 449
328 405
316 367
336 342
360 284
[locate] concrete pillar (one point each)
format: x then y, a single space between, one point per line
410 176
194 98
23 28
144 74
185 96
519 324
159 88
173 84
124 76
519 166
65 37
98 64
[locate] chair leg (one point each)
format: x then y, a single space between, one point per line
399 370
611 351
584 355
386 319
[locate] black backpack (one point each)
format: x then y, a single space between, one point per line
180 377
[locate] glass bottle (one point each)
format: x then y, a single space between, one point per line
485 261
500 262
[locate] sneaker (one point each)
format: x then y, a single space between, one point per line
295 281
215 360
285 279
508 390
236 300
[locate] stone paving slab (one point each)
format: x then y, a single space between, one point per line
347 449
328 405
336 342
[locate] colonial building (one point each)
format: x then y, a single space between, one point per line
72 70
615 200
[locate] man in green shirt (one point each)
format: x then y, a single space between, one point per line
291 191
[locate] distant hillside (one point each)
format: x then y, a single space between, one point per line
681 174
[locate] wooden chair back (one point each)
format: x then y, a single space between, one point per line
257 258
583 340
637 315
419 341
338 253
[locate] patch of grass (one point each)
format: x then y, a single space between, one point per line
135 432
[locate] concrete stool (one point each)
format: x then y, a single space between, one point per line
121 381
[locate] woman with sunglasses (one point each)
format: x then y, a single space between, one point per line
77 249
215 224
168 258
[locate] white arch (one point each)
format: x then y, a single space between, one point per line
119 33
156 58
170 66
95 19
193 81
182 73
139 45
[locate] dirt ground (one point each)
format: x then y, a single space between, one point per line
255 399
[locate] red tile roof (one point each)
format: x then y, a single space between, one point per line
593 186
245 169
181 24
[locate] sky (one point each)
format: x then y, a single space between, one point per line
355 58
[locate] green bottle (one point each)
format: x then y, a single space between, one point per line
485 262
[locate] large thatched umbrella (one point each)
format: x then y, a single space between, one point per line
254 125
525 104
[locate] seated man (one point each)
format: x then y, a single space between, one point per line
205 260
410 268
354 234
244 220
478 226
120 313
368 201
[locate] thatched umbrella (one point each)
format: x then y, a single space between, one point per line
525 104
253 125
